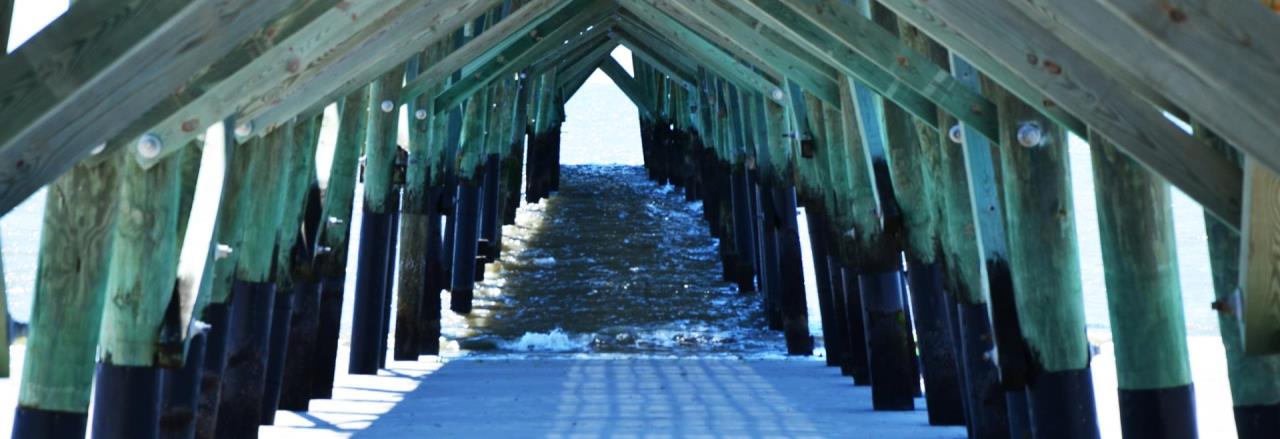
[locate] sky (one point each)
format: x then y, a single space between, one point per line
29 16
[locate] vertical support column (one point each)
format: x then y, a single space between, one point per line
1255 379
467 206
1135 222
71 281
331 255
229 233
292 260
411 288
143 267
244 379
989 321
834 335
1045 265
795 316
371 307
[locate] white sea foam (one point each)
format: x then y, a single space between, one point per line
555 341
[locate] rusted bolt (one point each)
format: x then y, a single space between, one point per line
190 125
1052 67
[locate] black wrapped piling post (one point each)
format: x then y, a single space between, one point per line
277 343
851 301
931 315
181 394
370 294
888 354
243 380
462 283
126 402
795 312
833 335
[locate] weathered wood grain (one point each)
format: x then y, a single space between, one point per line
71 282
81 80
1082 88
1260 260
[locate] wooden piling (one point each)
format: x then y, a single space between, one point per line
467 209
834 335
181 392
1255 389
75 245
1044 262
253 290
292 260
1145 300
376 236
217 314
139 287
331 256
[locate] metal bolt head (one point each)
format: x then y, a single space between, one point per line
98 149
388 106
149 146
243 131
956 134
333 220
777 94
420 114
223 251
1031 135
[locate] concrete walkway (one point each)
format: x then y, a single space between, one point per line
563 398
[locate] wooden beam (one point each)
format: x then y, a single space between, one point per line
673 63
524 23
556 31
587 63
1162 79
626 83
1258 255
55 112
1135 126
711 21
844 58
342 50
297 18
706 51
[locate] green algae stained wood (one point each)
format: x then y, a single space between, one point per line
143 262
1135 226
71 280
302 174
263 207
474 118
340 185
1253 378
1043 253
380 139
237 194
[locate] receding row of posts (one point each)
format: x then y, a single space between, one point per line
193 290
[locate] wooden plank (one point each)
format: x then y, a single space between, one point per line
705 51
840 56
1161 79
627 84
1259 254
1136 127
199 240
587 63
878 46
55 112
1200 35
358 47
523 23
671 64
297 18
556 31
